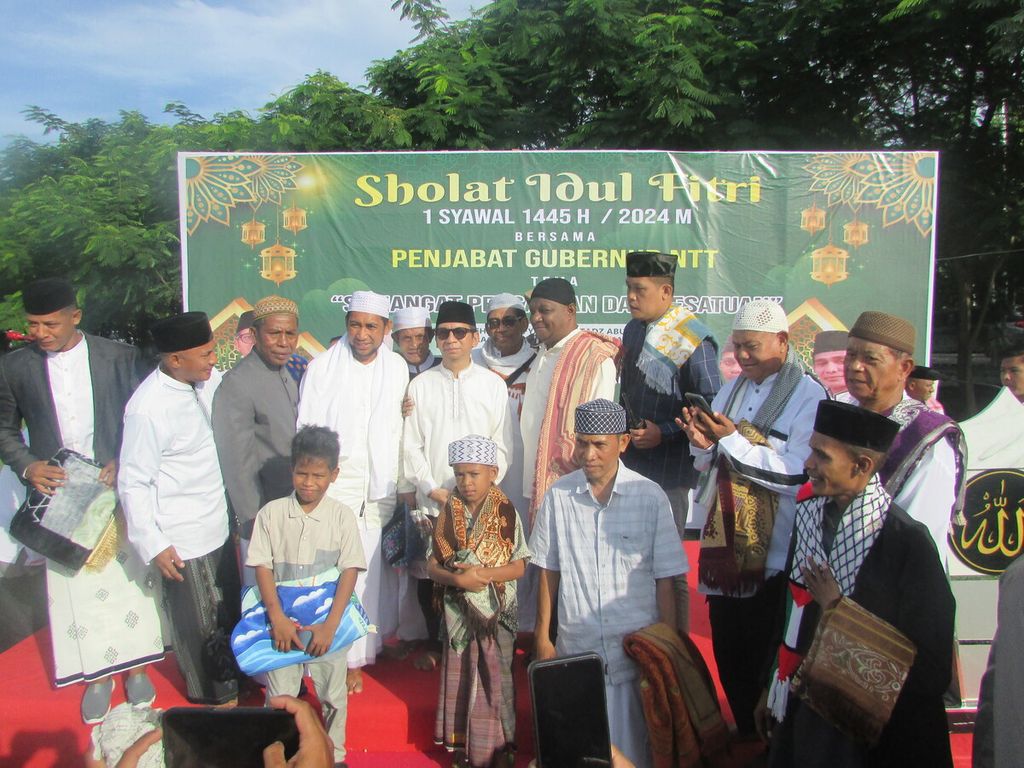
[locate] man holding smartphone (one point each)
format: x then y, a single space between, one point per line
667 352
754 444
608 549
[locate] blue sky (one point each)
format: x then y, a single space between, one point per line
92 58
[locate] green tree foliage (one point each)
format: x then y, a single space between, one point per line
100 203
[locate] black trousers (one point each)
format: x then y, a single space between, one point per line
425 597
743 637
201 612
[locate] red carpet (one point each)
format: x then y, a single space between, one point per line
390 723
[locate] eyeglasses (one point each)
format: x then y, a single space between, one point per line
509 321
459 333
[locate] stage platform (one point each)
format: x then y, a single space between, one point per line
390 723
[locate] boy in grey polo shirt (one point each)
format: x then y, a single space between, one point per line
306 539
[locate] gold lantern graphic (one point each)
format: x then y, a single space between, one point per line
855 233
278 263
294 219
254 232
812 219
828 264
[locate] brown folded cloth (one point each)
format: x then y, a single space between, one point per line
684 720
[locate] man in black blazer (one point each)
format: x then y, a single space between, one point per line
70 389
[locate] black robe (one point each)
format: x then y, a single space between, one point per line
901 581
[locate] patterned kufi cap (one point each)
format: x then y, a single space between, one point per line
504 301
761 315
889 330
473 449
274 305
600 417
371 303
411 317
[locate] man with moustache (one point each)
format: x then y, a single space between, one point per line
667 352
254 412
452 400
829 354
573 366
507 352
71 388
173 496
924 471
412 334
856 553
357 384
608 549
751 450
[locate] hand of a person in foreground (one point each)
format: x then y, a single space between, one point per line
44 477
170 565
315 747
108 475
131 756
543 648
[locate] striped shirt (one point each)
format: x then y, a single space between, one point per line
608 558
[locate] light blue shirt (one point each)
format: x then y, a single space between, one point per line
608 558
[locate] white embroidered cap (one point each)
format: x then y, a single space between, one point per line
761 315
473 449
504 301
412 317
371 303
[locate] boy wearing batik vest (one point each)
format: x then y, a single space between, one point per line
478 553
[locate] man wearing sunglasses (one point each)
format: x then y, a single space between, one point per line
508 353
455 399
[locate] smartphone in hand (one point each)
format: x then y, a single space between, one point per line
208 737
570 713
698 401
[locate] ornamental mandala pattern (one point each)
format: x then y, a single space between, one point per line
214 185
901 186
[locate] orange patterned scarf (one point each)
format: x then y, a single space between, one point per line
571 385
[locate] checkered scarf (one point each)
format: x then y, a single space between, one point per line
860 525
858 529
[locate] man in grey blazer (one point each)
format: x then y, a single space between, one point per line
70 389
254 412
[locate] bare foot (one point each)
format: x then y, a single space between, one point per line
354 681
427 660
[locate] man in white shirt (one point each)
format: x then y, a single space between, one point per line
413 333
608 549
173 496
507 352
71 389
573 366
456 399
756 440
357 383
924 470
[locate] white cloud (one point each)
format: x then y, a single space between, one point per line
250 634
325 607
303 599
95 57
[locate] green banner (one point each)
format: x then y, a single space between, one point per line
827 235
